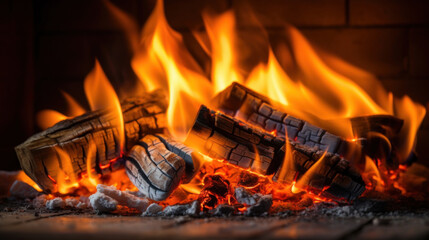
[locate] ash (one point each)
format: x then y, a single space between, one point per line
110 200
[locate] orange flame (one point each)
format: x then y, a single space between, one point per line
48 117
66 179
101 95
220 30
302 183
372 176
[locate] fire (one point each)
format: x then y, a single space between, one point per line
175 70
220 30
101 95
313 86
48 117
372 175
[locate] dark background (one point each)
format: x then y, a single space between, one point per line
50 45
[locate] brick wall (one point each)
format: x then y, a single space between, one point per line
52 44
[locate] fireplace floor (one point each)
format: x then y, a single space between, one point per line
71 225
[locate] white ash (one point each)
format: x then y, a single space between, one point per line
6 180
40 201
123 197
245 197
56 203
261 207
191 209
175 210
136 193
194 209
360 208
223 210
22 190
102 203
82 205
71 202
84 200
152 210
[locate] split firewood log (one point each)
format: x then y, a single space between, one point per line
321 172
222 137
256 109
62 150
158 164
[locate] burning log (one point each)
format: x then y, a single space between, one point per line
222 137
63 150
256 109
157 164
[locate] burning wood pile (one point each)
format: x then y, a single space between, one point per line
228 145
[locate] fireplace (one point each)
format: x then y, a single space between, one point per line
273 109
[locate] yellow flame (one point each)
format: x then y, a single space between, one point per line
101 95
303 182
90 163
163 48
413 114
24 178
220 30
372 176
66 178
287 168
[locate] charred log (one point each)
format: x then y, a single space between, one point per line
63 149
321 172
156 165
256 109
222 137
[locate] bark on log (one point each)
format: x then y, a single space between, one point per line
64 147
156 165
222 137
256 109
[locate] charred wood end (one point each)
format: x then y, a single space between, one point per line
41 155
153 168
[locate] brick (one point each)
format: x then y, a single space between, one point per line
186 14
381 51
63 15
275 13
388 12
419 52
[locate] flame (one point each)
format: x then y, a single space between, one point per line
101 95
90 163
372 175
24 178
48 117
187 87
66 179
287 166
74 108
303 182
413 115
220 30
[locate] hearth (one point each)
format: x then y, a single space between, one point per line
234 115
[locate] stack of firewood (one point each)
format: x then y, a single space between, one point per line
240 131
